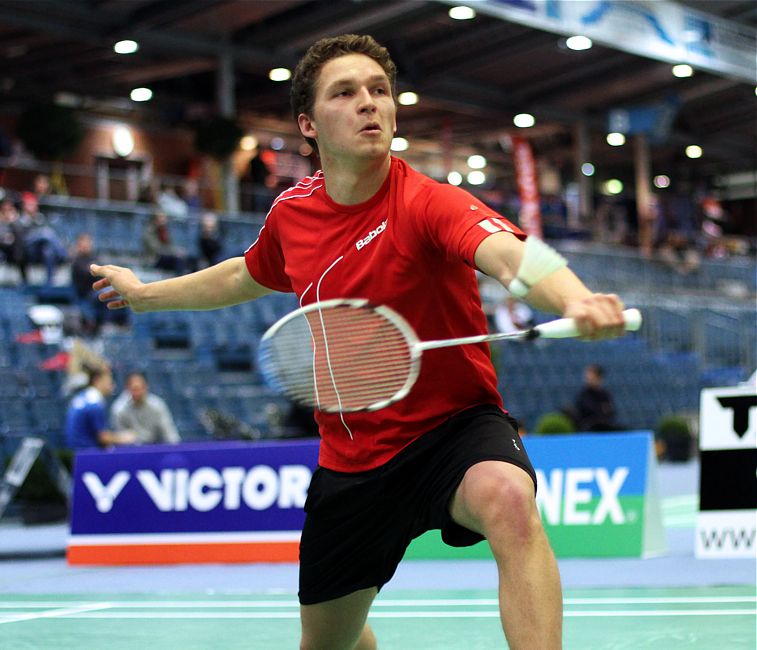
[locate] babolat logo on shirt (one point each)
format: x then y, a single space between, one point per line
371 235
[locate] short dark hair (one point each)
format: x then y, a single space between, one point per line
302 94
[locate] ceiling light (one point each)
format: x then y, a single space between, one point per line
277 143
524 120
126 47
280 74
407 99
616 139
578 43
399 144
141 95
461 13
248 143
612 187
661 181
587 169
477 178
682 70
454 178
694 151
122 141
476 162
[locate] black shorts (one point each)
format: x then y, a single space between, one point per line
358 525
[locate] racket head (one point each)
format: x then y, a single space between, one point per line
341 356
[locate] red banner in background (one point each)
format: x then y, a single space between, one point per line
528 187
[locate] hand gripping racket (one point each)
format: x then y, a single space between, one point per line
349 355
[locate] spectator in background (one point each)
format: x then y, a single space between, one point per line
159 249
41 243
87 417
191 195
143 412
594 407
11 237
171 203
93 314
209 241
512 315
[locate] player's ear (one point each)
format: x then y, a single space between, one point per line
307 126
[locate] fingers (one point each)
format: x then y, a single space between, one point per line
599 317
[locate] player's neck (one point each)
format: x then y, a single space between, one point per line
351 182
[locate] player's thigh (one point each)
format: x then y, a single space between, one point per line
336 624
493 492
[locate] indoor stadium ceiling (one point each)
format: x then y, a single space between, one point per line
472 76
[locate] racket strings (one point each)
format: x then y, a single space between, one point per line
339 359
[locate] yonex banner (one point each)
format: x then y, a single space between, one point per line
242 502
727 520
597 496
219 502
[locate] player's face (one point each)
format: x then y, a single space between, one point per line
137 387
354 114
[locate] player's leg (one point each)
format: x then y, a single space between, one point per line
339 624
496 499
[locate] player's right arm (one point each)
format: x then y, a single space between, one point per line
222 285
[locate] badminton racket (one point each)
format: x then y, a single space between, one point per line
347 355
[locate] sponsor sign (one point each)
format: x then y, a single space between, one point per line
194 502
597 495
727 520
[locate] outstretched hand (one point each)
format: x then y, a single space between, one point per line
123 286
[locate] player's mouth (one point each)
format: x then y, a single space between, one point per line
373 127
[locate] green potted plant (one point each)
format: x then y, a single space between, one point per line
673 436
554 422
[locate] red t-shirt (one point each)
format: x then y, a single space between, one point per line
411 247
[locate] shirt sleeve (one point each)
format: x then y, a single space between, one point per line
457 222
167 426
265 258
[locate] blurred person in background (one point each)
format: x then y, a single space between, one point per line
594 407
209 243
159 248
87 415
143 412
171 203
511 315
11 237
41 243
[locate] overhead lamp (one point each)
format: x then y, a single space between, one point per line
694 151
524 120
661 181
462 13
476 178
248 143
612 187
407 98
454 178
616 139
578 43
587 169
476 161
126 47
280 74
122 140
399 144
682 70
141 95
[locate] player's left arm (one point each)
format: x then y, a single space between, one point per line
597 315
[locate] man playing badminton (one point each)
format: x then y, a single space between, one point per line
445 457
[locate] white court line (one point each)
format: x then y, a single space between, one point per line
386 602
65 612
418 614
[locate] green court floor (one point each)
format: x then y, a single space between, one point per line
596 619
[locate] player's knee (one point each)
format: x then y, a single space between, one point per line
509 511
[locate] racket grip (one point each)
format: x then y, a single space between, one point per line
564 328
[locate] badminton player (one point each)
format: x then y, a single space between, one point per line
447 456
